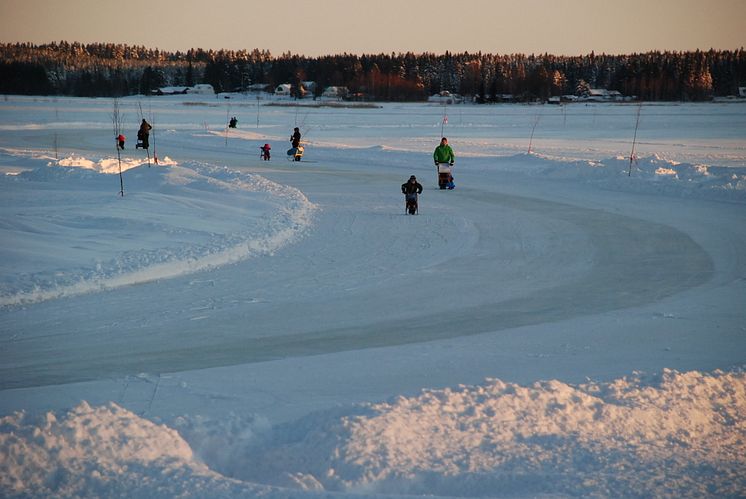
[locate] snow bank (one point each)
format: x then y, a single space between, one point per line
68 232
652 174
672 435
677 435
101 452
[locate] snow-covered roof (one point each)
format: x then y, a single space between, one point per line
202 88
172 90
445 97
335 92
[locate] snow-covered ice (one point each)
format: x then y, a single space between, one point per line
564 323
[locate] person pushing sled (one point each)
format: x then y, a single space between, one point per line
411 188
295 153
444 159
143 135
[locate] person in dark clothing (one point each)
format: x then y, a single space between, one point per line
411 188
233 122
295 138
143 135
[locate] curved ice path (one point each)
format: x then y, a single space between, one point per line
172 221
474 261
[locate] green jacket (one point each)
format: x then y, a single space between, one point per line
443 154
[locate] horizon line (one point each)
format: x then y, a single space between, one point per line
360 54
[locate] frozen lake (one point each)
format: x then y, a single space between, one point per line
293 311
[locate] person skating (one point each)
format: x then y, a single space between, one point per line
411 188
443 155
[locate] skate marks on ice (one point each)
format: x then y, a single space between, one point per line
635 262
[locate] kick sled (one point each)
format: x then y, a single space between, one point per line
295 153
142 141
410 204
445 179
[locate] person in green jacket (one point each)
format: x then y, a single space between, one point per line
444 154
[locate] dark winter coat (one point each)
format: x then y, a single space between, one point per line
145 128
295 139
411 187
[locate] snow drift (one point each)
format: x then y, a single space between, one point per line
671 435
101 242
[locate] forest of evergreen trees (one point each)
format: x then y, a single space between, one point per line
99 69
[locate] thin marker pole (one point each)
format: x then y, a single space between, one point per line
634 140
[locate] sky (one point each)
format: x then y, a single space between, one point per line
313 28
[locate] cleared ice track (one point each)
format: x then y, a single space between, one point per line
476 260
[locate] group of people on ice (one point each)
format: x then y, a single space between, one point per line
143 136
295 152
442 156
444 159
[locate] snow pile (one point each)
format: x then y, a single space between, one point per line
109 165
101 452
211 216
674 435
682 435
648 174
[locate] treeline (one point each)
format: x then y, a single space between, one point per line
115 70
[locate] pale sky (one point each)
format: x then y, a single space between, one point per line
320 27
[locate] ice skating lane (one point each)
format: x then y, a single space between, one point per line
634 262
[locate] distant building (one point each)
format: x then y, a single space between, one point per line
283 90
286 89
203 88
596 94
602 95
170 91
257 87
335 92
445 97
309 86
